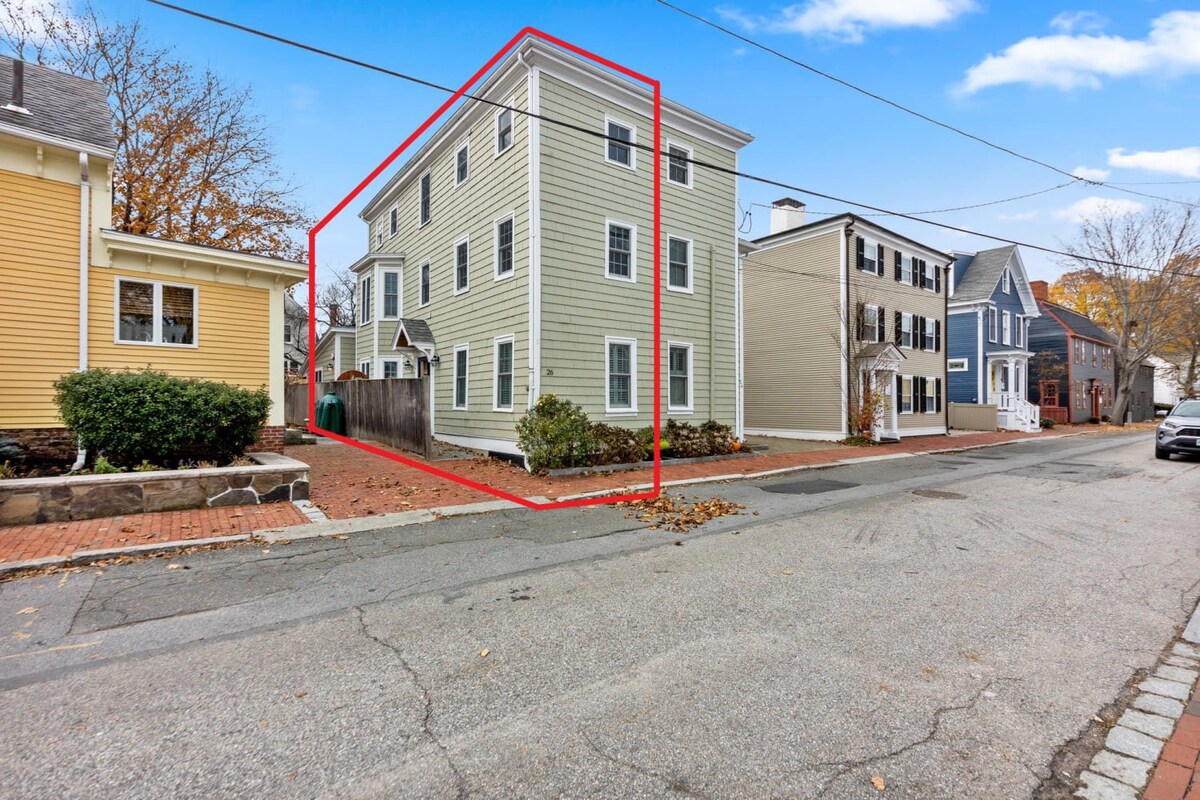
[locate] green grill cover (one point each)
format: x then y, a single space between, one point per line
331 414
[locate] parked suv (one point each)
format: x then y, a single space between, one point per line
1179 432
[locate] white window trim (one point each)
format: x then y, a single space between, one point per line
690 167
394 221
383 367
878 322
366 295
156 314
907 317
421 302
428 173
1006 282
462 348
931 381
496 342
870 246
930 335
929 277
958 365
690 264
608 223
496 275
633 393
632 165
364 367
993 325
383 294
464 145
318 374
911 396
1018 330
512 123
454 260
1006 328
690 407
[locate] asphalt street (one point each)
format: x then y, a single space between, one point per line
941 624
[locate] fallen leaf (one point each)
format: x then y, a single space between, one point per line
174 566
879 783
341 537
788 571
301 694
28 610
484 652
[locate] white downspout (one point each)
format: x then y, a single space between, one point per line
84 203
739 386
534 103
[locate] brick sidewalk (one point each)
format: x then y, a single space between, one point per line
26 542
348 482
1177 777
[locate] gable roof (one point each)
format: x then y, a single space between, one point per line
416 333
982 272
844 220
63 110
1077 324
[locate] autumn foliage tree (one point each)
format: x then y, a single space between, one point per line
194 160
1136 274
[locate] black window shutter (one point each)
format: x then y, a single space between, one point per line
879 259
880 316
861 326
899 327
937 388
937 279
937 336
860 245
919 332
919 398
918 270
897 262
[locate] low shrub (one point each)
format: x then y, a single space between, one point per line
554 434
708 439
612 444
1094 420
1105 418
1047 423
102 466
146 416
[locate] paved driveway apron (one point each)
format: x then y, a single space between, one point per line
941 625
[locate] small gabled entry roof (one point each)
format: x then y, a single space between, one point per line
414 333
881 355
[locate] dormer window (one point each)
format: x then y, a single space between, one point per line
1006 282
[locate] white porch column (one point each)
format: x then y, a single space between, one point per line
1010 364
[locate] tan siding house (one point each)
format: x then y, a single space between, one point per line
525 249
837 311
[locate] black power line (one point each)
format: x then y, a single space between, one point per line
906 109
647 148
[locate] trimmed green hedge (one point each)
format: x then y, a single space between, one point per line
147 416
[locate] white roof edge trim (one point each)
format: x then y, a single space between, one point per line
148 245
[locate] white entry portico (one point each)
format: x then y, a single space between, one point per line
1007 383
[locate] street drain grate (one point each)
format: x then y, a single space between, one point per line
937 494
818 486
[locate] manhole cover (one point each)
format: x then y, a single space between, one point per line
937 494
818 486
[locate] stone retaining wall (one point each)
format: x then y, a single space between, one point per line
273 478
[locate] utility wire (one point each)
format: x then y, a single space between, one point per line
906 109
956 208
647 148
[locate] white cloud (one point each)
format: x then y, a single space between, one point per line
1095 206
1019 216
26 15
849 20
1185 161
1070 61
1071 21
1091 173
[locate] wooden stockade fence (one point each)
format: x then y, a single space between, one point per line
973 417
392 411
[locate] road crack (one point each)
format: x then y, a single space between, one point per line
677 785
426 700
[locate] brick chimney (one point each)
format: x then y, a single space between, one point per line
1041 290
335 313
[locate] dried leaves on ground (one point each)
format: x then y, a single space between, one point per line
677 514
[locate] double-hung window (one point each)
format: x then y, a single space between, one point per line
503 377
461 357
1006 282
618 147
462 266
1006 328
391 295
621 249
679 368
504 247
872 323
364 300
365 368
394 221
424 284
991 324
679 165
152 312
504 131
679 264
391 368
906 330
930 279
933 400
426 198
906 394
933 330
462 165
868 255
621 375
1019 330
906 269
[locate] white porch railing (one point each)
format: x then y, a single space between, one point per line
1016 413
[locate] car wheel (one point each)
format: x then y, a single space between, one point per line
1161 453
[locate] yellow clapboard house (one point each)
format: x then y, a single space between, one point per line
75 294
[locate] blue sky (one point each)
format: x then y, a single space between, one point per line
1104 85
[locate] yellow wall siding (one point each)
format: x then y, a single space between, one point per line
232 332
39 295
